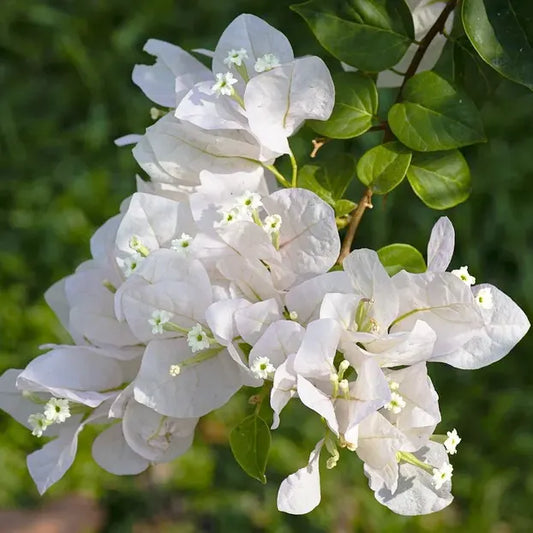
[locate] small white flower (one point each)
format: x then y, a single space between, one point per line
262 368
462 273
396 404
197 338
441 475
484 298
250 201
452 441
38 423
182 244
235 57
158 320
131 263
266 62
224 84
293 315
174 370
271 224
230 215
56 410
393 385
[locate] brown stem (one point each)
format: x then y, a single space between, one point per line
438 27
317 144
364 203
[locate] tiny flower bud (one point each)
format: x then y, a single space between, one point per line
266 62
293 315
452 441
224 84
484 298
441 475
262 368
159 318
197 338
174 370
462 273
235 57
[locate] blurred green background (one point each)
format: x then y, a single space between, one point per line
65 95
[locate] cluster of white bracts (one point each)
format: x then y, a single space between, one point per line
205 283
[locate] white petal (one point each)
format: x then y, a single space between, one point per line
277 102
306 298
252 321
416 494
315 357
283 388
196 391
340 307
279 340
318 401
300 492
309 240
504 325
257 38
220 319
155 437
205 109
11 399
370 280
173 74
125 140
73 372
441 244
111 451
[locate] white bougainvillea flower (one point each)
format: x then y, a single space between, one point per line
299 493
197 389
175 152
266 63
417 411
322 387
416 492
167 282
173 74
278 101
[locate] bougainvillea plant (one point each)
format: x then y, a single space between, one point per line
222 271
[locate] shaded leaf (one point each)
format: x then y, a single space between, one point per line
440 180
353 30
501 32
356 103
250 444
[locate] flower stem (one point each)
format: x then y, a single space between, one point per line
279 176
294 165
364 203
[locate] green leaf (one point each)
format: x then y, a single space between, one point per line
371 35
399 256
440 180
250 444
356 103
330 179
383 167
435 116
344 207
460 64
502 33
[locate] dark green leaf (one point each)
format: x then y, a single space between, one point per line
250 444
399 256
356 103
440 180
383 167
371 35
330 179
502 33
460 64
435 116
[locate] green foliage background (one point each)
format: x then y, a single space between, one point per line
65 95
